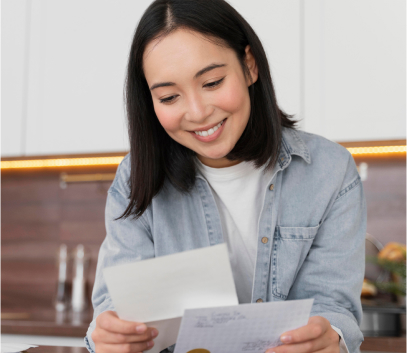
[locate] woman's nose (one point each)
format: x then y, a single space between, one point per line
197 110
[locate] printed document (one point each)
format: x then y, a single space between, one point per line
241 328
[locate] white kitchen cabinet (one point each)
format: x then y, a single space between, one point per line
277 24
14 18
339 66
77 57
354 86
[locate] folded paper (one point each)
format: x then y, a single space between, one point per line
157 291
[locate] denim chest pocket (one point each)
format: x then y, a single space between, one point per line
290 248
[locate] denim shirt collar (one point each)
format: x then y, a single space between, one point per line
291 144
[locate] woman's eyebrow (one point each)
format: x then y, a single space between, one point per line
199 73
208 68
162 84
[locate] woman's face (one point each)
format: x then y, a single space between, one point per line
200 93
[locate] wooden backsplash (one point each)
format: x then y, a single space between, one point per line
385 190
38 215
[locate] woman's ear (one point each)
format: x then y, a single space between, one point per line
251 65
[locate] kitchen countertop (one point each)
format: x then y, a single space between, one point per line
57 349
371 344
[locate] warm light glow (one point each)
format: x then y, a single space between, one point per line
95 161
377 150
62 162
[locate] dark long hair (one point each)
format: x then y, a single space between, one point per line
154 155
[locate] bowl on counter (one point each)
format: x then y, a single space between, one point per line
382 319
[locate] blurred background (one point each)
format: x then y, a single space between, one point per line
339 66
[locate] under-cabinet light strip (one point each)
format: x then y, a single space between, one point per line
94 161
61 162
377 150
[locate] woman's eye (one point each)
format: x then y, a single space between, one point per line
208 85
167 99
214 84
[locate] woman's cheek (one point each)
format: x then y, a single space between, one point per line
233 97
168 118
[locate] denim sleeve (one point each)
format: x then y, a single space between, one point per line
333 271
127 240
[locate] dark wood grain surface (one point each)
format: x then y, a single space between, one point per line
46 322
37 216
384 344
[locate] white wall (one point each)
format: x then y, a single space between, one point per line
338 65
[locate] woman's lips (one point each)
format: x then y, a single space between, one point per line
212 137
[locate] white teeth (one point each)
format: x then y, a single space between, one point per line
210 131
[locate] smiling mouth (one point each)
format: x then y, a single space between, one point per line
211 130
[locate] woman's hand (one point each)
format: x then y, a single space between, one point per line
113 335
317 336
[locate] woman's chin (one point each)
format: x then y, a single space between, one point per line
216 152
214 156
216 160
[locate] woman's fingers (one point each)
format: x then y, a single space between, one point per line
304 347
109 321
125 347
113 335
317 335
316 327
115 338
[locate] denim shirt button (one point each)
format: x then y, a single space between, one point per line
271 187
259 300
264 240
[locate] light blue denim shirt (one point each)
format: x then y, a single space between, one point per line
314 218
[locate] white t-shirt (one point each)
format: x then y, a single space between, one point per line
239 193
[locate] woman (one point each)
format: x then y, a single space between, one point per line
213 159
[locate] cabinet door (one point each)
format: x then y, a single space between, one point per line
355 69
277 24
78 57
14 61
